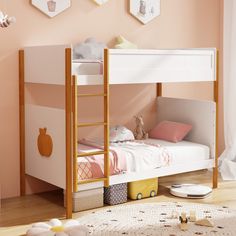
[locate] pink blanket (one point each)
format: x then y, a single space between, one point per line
93 166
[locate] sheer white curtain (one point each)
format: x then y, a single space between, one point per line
228 158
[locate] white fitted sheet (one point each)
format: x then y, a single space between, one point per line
184 151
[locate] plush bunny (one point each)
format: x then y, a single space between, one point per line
90 49
139 132
5 21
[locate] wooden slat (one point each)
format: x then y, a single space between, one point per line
87 181
68 91
74 110
22 120
91 153
106 118
92 95
216 98
91 124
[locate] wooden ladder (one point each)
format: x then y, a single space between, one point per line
105 124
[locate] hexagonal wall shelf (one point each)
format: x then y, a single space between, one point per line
51 7
100 2
145 10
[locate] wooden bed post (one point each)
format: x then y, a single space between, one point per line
74 109
106 118
22 120
159 89
216 99
68 108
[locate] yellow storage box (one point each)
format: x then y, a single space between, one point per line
142 189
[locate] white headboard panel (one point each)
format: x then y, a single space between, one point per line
200 114
152 66
45 64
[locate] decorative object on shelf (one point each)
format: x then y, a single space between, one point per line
55 228
51 7
145 10
100 2
45 144
90 49
6 20
123 43
139 132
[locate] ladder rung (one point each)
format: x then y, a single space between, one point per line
92 124
91 153
92 95
87 181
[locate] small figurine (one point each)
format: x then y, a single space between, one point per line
192 216
5 20
139 132
204 222
183 222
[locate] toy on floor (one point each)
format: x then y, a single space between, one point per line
5 20
56 228
192 216
143 189
204 222
90 49
139 132
183 222
123 43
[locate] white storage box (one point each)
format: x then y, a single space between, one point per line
87 199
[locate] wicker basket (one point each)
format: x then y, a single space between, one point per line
115 194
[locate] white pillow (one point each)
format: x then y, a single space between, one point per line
120 133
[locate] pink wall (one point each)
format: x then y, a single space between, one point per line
182 24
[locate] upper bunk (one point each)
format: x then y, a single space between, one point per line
47 65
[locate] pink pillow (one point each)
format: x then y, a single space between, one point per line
170 131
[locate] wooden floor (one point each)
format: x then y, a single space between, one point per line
18 213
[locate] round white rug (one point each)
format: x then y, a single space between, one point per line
151 219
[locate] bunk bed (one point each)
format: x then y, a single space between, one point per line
53 65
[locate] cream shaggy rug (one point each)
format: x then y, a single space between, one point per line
156 219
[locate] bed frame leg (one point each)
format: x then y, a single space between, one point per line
216 99
22 121
215 177
68 99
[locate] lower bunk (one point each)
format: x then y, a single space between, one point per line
135 168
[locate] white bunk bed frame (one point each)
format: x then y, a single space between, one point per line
120 67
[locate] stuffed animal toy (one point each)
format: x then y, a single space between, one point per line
139 132
90 49
5 21
123 43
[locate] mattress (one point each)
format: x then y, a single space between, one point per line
176 153
184 152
